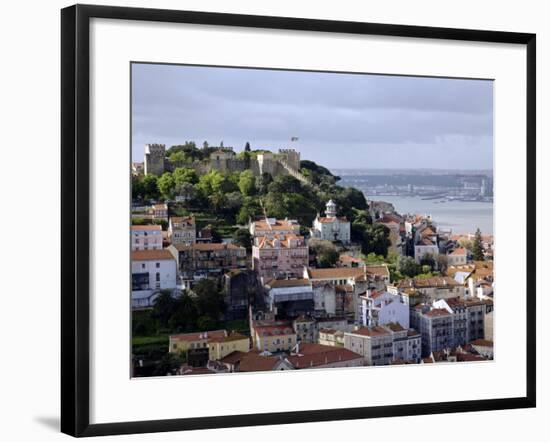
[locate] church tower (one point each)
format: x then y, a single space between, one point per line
331 209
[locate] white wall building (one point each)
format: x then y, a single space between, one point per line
148 237
457 257
381 308
331 227
152 271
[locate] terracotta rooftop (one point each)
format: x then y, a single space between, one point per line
252 361
280 283
482 343
233 357
437 312
459 251
317 359
280 241
147 227
436 281
284 225
336 273
273 330
395 327
151 255
199 336
187 220
378 270
371 331
350 259
230 338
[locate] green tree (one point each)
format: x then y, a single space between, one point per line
249 210
243 238
263 182
326 253
185 175
183 315
427 260
285 184
168 365
246 155
477 247
247 183
177 158
145 187
373 258
163 307
407 266
206 323
167 185
209 299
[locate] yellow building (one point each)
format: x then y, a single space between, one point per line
331 337
193 341
219 348
274 337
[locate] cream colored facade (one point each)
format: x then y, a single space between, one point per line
193 341
219 348
274 339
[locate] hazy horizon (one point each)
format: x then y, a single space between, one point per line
342 121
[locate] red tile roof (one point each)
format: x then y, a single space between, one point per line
315 355
147 227
199 336
371 331
436 312
151 255
336 273
252 361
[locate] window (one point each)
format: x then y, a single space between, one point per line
157 265
157 276
142 265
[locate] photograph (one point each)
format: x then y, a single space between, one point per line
295 220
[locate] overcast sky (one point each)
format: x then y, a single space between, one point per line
341 120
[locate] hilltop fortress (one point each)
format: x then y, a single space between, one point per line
224 160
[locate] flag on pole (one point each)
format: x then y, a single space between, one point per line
294 139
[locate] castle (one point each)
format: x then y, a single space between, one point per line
154 162
224 160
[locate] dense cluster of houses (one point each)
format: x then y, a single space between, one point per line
301 316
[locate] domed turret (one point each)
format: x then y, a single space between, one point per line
331 209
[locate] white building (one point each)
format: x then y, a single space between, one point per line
382 308
457 257
147 237
331 227
152 271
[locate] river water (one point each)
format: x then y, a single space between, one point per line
459 216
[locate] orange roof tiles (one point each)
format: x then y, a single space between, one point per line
199 336
151 255
336 273
147 227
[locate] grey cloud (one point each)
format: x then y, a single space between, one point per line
172 104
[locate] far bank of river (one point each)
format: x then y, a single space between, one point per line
459 216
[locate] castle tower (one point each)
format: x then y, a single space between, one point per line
292 158
154 159
331 209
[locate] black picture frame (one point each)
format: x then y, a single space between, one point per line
75 212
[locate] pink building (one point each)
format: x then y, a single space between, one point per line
280 256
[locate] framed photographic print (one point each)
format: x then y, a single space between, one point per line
272 220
